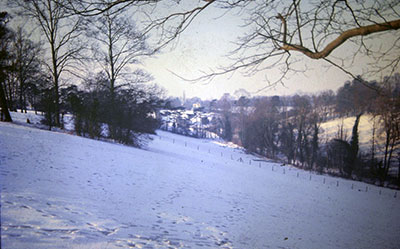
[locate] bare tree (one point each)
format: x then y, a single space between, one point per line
388 110
280 30
26 64
118 45
60 29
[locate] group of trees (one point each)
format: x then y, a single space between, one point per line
116 100
23 80
132 112
289 128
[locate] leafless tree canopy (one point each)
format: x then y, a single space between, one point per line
316 29
117 45
277 30
61 31
167 26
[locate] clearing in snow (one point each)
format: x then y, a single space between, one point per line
64 191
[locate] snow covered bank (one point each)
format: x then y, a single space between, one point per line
64 191
365 128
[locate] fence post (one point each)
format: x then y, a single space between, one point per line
283 171
297 174
324 180
337 183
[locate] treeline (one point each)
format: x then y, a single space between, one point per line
117 101
123 117
289 129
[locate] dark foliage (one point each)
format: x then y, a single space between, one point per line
125 120
47 105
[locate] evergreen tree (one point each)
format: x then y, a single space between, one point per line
352 149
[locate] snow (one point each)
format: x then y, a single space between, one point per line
35 120
64 191
365 127
20 118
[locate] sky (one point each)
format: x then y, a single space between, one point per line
204 47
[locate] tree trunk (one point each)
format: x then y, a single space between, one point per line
56 94
8 93
55 69
385 160
391 149
21 100
3 104
398 171
25 108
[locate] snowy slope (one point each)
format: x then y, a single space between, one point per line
35 120
64 191
365 127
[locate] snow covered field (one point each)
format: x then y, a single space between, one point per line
64 191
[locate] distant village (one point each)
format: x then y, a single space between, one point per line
194 122
202 118
195 117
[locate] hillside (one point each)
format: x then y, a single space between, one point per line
64 191
331 127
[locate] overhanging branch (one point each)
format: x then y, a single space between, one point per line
361 31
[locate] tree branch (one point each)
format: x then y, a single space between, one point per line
361 31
